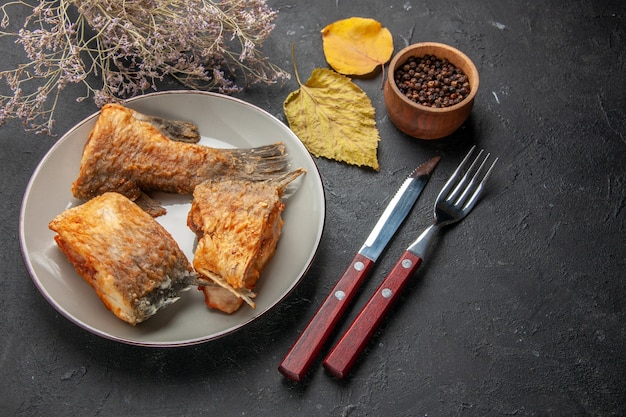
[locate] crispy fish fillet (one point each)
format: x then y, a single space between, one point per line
134 265
238 224
132 153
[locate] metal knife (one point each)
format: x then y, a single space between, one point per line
308 345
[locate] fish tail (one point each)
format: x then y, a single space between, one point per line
261 163
282 181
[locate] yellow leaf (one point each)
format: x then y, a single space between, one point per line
334 119
356 46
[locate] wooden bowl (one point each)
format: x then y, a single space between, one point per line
424 122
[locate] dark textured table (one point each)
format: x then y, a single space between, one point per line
520 310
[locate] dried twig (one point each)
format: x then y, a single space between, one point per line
125 47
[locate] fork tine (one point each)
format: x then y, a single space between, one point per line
461 185
481 185
454 177
467 189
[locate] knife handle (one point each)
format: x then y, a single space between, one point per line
340 360
308 345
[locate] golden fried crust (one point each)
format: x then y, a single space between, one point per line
238 224
236 219
134 265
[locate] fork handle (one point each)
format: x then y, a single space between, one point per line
342 357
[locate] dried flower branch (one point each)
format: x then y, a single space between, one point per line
127 46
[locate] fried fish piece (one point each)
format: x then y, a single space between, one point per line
238 224
132 153
133 263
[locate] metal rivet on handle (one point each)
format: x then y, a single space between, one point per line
340 295
386 292
359 265
406 263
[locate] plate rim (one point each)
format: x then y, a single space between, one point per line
187 342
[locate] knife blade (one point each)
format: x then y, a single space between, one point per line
308 345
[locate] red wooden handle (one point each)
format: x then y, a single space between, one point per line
344 354
299 359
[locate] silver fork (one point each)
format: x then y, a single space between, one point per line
455 200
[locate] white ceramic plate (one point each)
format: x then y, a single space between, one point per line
223 122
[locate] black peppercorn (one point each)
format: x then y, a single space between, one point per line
432 82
